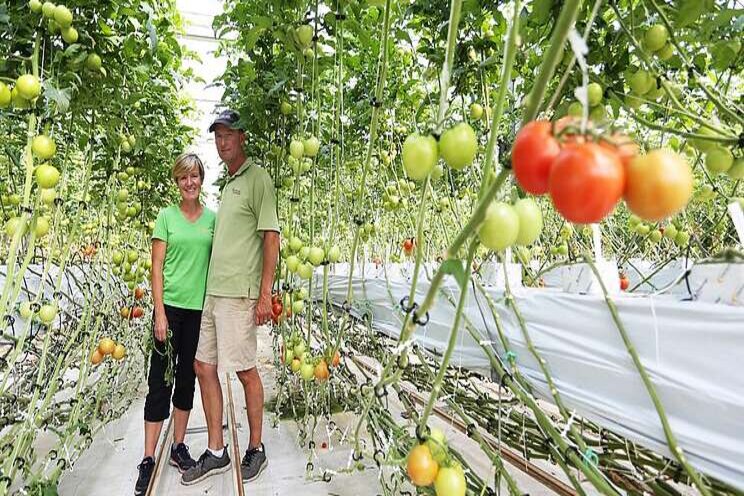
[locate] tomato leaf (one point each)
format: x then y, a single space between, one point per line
456 270
689 11
60 97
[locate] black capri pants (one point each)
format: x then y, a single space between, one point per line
184 325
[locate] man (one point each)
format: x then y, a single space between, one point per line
238 298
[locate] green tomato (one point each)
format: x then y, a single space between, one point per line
35 6
293 263
47 313
737 169
122 195
682 238
48 9
598 113
655 236
41 228
476 111
296 149
656 37
43 147
530 221
298 306
295 244
47 176
310 146
132 256
307 371
93 62
316 255
12 226
305 271
594 93
641 82
28 86
304 35
6 95
70 35
719 159
575 109
666 52
670 232
62 16
288 356
117 257
420 154
299 349
25 310
458 146
500 227
48 196
285 108
450 481
334 254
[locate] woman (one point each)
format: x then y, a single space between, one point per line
181 246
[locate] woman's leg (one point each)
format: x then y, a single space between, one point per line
183 394
157 402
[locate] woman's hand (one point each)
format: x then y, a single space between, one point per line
161 326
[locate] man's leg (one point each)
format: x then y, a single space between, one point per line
211 393
254 401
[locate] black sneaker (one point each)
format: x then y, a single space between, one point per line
180 457
207 465
254 462
145 474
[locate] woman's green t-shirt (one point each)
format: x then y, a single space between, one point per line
187 251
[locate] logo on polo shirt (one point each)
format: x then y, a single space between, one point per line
236 191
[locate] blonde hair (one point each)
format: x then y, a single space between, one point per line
185 163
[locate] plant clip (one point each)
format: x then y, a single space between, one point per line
356 456
311 445
53 454
57 295
26 208
340 16
470 429
309 467
19 462
335 141
35 306
422 433
741 140
315 37
405 308
294 199
417 320
510 356
379 457
406 493
9 319
346 306
358 221
299 89
375 102
380 391
591 458
326 477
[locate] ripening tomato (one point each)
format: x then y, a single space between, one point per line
659 184
321 371
624 282
586 182
625 148
421 467
137 312
533 153
408 245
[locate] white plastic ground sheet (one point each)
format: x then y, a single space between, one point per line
693 352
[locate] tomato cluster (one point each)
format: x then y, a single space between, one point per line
586 172
429 463
107 346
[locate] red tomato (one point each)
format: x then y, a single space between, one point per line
137 312
277 308
624 283
532 156
572 135
586 182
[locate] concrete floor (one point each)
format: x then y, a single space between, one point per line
109 466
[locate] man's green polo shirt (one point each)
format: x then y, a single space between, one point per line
247 208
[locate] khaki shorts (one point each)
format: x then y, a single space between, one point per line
227 337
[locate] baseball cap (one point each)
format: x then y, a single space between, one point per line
229 118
